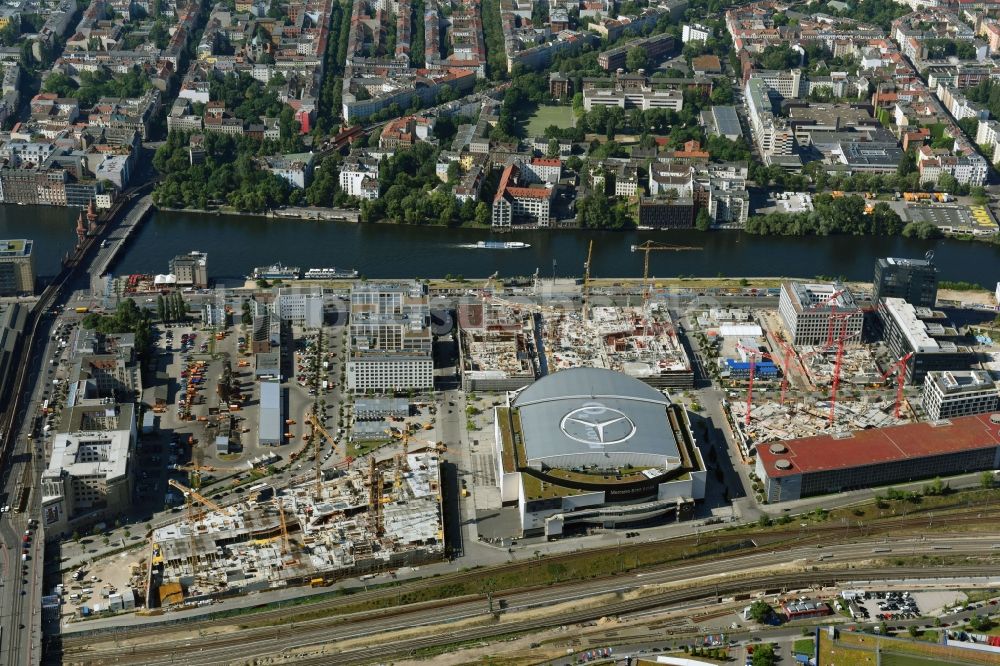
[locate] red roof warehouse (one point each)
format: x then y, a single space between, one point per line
832 463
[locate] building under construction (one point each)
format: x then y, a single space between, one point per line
771 421
639 342
498 346
370 519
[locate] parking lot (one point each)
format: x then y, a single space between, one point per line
888 606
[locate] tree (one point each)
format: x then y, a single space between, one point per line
913 630
553 148
636 59
161 308
987 480
454 172
948 183
760 611
907 164
703 221
980 623
763 655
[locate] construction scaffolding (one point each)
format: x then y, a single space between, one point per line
627 339
296 537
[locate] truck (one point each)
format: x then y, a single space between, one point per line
82 310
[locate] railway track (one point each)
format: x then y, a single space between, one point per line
264 618
226 648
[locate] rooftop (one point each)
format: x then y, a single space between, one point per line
589 411
15 248
880 445
952 382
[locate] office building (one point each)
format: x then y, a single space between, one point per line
390 340
799 468
190 269
948 393
302 306
923 333
89 475
17 267
913 280
806 310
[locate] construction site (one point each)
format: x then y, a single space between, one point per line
498 350
375 517
638 341
780 391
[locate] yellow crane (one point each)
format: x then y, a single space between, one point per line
488 286
586 280
285 547
654 246
318 428
194 515
194 472
375 494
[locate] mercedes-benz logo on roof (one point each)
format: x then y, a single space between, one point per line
597 425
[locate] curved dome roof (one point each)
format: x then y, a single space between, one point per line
593 417
587 382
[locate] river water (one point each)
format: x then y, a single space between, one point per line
236 244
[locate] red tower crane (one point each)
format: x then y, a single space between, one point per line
899 367
752 354
842 336
787 354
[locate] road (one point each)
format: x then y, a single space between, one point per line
711 578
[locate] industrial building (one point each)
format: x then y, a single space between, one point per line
498 351
190 269
817 314
364 520
913 280
389 346
89 475
922 333
824 464
17 267
270 423
640 342
948 394
587 446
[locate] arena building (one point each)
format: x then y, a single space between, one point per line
595 447
798 468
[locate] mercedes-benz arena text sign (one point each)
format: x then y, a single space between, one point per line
597 425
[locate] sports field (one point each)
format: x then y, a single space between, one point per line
560 116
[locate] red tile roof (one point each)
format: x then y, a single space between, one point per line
881 445
530 192
545 161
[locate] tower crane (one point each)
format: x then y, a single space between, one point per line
375 494
285 546
318 428
194 515
586 281
752 354
654 246
898 367
488 286
842 336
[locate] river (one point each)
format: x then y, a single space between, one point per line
235 244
